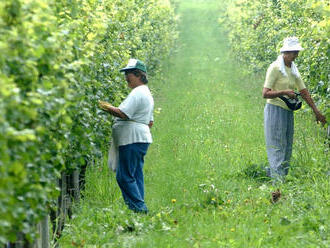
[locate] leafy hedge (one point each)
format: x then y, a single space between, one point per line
57 59
256 29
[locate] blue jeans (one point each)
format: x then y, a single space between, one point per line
129 175
279 128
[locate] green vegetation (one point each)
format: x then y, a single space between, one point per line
256 29
205 185
57 59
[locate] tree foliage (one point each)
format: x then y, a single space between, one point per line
57 59
256 29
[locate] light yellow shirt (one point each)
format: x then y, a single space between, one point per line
275 80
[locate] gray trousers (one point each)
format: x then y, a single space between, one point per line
279 128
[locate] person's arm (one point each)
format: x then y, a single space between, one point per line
269 93
151 122
307 97
272 76
112 110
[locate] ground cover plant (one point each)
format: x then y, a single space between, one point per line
205 185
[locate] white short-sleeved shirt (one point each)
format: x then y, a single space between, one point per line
138 107
275 80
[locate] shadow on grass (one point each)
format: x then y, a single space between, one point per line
256 172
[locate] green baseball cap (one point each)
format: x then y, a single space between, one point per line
134 64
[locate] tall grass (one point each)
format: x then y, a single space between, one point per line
204 181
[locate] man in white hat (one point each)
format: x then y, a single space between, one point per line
282 79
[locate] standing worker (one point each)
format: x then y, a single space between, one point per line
281 79
131 134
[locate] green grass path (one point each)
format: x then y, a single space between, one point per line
200 187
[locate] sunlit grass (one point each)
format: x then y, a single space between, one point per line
204 183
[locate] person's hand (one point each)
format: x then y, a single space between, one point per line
104 105
290 93
320 118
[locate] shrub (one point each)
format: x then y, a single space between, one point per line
57 59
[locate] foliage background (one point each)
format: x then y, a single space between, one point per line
57 59
257 28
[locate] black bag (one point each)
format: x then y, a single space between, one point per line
292 103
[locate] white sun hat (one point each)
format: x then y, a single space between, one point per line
291 44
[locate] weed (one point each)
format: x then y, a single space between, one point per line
257 172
